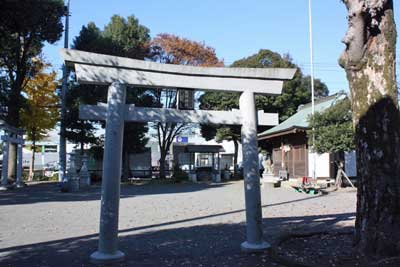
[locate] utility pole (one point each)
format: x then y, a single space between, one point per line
312 86
64 88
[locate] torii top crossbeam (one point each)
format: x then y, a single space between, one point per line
95 68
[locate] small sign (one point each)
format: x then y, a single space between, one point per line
182 139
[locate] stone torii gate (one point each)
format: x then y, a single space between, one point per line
119 72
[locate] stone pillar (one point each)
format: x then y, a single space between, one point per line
4 170
213 170
19 182
219 178
73 178
12 156
254 234
110 189
84 176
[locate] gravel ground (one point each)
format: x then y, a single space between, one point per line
160 224
327 249
319 250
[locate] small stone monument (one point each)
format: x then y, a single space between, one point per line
268 174
84 176
73 178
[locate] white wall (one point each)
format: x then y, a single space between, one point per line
322 165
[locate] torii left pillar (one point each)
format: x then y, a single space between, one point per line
4 170
6 154
111 181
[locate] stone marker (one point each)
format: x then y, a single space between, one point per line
73 178
84 176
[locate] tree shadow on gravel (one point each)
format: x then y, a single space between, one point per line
50 192
201 245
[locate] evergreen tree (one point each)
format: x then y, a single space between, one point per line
333 129
120 37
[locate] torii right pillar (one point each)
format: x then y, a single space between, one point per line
254 233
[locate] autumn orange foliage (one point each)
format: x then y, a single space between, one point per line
181 51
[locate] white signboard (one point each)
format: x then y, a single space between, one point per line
322 165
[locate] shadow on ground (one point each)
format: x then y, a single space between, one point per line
50 192
202 245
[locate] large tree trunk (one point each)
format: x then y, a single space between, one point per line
369 60
13 116
14 104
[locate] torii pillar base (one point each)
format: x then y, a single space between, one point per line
20 185
104 258
254 248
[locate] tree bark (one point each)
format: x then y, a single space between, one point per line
369 61
14 104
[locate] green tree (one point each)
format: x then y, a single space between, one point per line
25 26
41 113
294 93
79 131
120 37
333 129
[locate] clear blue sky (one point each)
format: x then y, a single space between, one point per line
236 29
